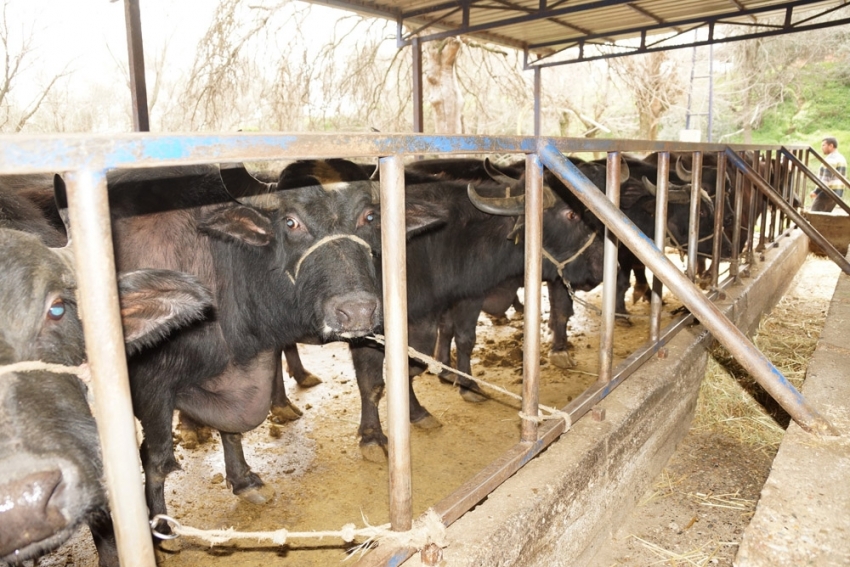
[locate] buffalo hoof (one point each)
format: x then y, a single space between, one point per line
258 494
374 452
427 422
309 380
472 396
624 322
562 359
641 292
283 414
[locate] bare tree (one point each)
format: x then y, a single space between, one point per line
654 85
444 93
18 55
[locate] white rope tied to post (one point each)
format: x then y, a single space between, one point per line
427 530
554 413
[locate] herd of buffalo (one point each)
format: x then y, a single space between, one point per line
221 273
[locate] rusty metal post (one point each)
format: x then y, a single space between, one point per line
719 216
762 208
394 263
533 278
99 310
735 341
693 221
537 104
136 58
416 72
736 228
751 220
776 199
655 303
609 274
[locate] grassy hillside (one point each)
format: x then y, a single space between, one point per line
820 109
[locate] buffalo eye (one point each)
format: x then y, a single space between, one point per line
570 215
368 217
291 223
56 310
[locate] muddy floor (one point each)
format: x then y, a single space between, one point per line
314 464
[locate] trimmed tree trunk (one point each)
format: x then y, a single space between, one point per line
443 89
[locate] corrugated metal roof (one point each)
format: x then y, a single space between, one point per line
559 31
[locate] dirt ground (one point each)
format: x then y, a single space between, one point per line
321 481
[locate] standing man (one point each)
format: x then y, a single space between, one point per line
823 202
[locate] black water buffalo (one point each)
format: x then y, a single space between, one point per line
464 259
50 464
638 203
281 264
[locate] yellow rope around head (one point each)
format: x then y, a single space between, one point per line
82 371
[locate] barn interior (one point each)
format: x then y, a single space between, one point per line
633 423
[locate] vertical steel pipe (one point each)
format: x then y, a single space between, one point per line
394 263
136 58
416 72
751 221
537 95
693 220
736 229
99 310
609 274
702 308
662 182
776 199
762 203
719 216
533 278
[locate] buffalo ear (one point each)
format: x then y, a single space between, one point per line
239 223
156 302
60 196
422 215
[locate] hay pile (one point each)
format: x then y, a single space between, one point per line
730 401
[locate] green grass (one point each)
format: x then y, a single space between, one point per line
820 108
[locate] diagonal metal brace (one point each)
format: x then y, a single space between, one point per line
735 341
790 211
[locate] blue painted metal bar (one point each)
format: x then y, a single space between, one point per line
709 316
31 154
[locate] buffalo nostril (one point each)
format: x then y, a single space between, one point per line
356 315
27 514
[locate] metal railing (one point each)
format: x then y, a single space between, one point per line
86 159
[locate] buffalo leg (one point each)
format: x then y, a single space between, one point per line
464 320
103 534
623 274
560 311
443 348
295 368
421 336
157 449
368 367
240 478
641 289
282 409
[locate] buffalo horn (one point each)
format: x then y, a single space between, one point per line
674 194
506 206
682 172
